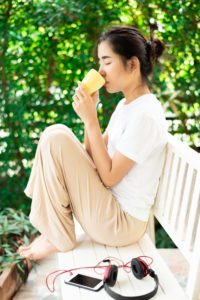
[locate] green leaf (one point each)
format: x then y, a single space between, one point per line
34 265
26 240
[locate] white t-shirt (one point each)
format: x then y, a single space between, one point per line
138 130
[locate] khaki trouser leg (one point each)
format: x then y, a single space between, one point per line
64 182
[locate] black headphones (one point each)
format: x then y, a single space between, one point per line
140 269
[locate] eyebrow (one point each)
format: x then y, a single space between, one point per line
106 56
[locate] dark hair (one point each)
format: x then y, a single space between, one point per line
128 41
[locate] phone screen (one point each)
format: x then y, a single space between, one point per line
84 280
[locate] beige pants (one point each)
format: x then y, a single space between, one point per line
64 183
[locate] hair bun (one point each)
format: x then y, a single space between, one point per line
155 48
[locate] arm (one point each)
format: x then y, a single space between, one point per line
87 143
95 98
110 170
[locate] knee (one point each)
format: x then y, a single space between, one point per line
56 134
56 127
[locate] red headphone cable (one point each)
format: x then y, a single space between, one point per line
120 264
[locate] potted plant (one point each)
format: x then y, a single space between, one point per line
15 230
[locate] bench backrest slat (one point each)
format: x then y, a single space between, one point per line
193 218
178 192
185 204
171 187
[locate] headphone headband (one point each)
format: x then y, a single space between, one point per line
140 269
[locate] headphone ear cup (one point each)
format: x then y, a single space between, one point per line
111 275
137 268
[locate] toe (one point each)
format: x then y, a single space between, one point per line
21 248
25 254
22 254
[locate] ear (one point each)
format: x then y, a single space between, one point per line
133 63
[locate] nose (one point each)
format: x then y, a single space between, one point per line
101 71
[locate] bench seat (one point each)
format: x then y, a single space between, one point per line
89 253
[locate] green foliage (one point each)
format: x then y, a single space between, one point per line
46 46
176 78
162 238
15 230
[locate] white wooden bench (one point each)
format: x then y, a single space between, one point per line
177 208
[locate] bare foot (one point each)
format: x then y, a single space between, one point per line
40 248
23 247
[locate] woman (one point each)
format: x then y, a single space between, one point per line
109 186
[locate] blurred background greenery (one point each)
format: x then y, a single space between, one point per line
47 46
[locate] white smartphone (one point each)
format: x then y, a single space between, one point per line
84 281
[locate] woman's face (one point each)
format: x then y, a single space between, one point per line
117 76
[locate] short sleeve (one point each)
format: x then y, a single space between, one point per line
114 116
140 137
110 123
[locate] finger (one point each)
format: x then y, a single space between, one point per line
77 90
83 90
74 106
80 95
76 99
95 94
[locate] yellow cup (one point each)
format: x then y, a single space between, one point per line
93 81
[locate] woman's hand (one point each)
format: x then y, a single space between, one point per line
85 104
95 98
